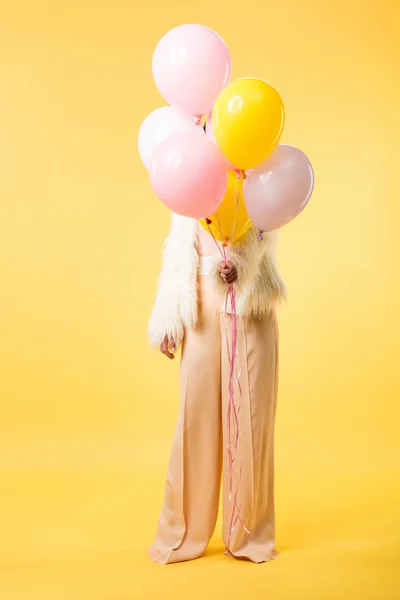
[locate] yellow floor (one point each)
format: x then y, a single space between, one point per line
80 531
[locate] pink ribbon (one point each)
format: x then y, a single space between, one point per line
234 375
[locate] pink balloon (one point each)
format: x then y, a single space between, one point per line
189 175
191 65
279 189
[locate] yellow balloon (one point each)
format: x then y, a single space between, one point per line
231 213
248 118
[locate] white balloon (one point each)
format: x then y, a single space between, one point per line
278 190
160 125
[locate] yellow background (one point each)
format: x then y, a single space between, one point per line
87 412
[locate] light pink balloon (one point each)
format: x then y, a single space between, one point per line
278 190
191 65
189 175
211 136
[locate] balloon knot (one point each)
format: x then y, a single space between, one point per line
197 120
241 174
260 235
208 221
225 243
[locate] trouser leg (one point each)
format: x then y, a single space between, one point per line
190 507
257 364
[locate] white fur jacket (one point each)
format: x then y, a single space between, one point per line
259 286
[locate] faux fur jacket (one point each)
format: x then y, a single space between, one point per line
259 286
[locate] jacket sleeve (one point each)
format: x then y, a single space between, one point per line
269 287
165 319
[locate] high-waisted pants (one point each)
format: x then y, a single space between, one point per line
199 450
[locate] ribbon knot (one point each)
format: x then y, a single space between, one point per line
241 174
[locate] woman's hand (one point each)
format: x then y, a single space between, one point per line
228 272
168 347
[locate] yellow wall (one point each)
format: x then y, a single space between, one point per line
87 412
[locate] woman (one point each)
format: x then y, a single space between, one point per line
190 310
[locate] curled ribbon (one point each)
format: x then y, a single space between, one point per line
234 376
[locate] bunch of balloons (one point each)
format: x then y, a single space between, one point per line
234 164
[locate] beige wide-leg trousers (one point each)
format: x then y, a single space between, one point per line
199 454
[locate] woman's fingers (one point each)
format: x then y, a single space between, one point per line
225 267
164 349
228 272
230 278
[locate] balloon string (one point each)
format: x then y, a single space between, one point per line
234 377
220 228
208 223
233 409
237 195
